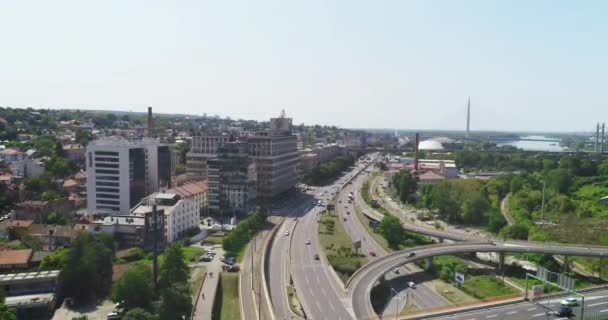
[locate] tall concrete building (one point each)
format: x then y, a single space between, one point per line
202 149
232 180
121 172
276 156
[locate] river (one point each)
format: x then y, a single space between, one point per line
535 145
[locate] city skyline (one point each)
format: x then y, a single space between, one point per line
526 66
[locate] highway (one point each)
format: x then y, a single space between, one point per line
360 285
595 303
321 295
424 296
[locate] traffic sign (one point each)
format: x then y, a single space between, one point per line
459 277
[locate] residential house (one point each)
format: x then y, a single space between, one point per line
11 155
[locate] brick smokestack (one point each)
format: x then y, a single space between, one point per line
416 152
150 123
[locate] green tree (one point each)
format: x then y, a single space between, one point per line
392 230
138 314
173 269
182 149
5 312
45 146
88 269
54 261
56 218
474 208
135 287
560 180
517 184
176 302
50 195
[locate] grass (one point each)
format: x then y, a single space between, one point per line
451 293
196 280
486 286
337 246
229 299
214 239
294 302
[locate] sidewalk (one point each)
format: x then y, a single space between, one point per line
204 307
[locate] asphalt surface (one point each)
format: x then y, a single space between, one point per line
595 303
362 282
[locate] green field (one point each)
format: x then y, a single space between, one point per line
486 286
229 300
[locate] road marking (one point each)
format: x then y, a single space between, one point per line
492 316
512 312
596 304
323 290
530 309
605 310
540 314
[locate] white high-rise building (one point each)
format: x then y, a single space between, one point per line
120 173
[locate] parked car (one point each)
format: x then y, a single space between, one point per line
316 256
371 253
232 268
113 316
206 258
411 284
411 254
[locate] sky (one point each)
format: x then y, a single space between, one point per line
527 65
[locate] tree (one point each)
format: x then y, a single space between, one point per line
392 230
50 195
138 314
56 218
173 269
135 287
88 269
517 183
406 185
5 312
182 149
54 261
560 180
46 146
474 208
176 301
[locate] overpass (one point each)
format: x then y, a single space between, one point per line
360 284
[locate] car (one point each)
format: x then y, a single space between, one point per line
411 284
231 268
307 241
113 315
206 258
339 201
564 311
570 302
345 206
347 212
316 256
411 254
286 233
371 253
396 271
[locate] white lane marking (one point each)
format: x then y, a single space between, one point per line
605 310
597 304
530 309
492 316
323 290
307 281
538 315
511 312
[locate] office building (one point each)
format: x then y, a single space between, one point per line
232 180
120 173
202 149
276 158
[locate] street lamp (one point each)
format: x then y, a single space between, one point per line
395 295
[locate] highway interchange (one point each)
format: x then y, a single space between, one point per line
322 294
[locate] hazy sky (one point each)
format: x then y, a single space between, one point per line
527 65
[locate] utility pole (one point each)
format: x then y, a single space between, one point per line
603 137
542 207
155 253
597 137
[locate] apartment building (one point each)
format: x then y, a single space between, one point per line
121 172
179 215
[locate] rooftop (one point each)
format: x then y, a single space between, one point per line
13 257
21 223
189 189
11 152
25 276
29 300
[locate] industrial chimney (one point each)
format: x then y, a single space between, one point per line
150 123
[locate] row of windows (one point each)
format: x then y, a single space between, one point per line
106 165
106 153
106 184
104 159
116 203
112 190
106 171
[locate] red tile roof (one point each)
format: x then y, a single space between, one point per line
14 257
21 223
189 189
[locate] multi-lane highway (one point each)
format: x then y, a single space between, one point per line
360 285
321 294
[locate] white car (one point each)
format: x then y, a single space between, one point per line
411 284
307 241
570 302
286 233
